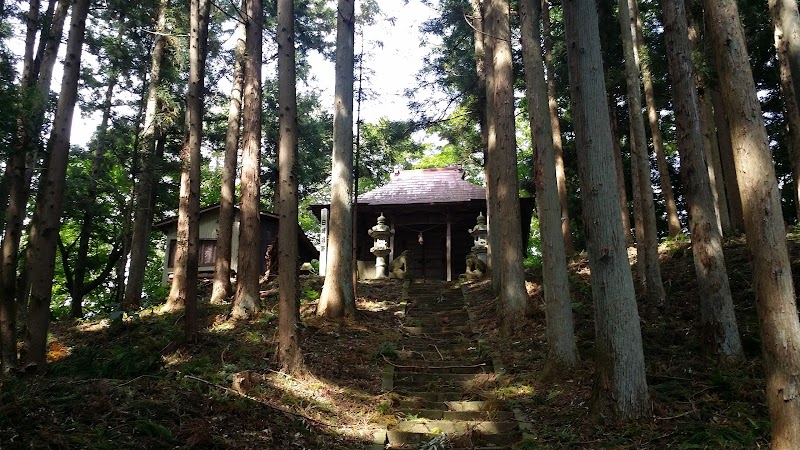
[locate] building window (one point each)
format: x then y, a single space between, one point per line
206 255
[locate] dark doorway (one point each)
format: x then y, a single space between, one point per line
428 246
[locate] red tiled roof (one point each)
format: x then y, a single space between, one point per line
424 186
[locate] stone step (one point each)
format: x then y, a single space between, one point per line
457 432
458 406
453 316
441 366
410 395
475 382
432 332
438 414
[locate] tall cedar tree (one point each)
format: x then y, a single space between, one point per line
709 132
555 125
18 197
184 282
619 171
562 353
145 185
503 171
34 86
786 12
726 157
489 43
289 354
786 23
246 301
673 222
647 243
337 298
763 221
719 331
49 203
620 380
222 260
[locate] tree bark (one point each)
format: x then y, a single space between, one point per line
503 155
337 299
764 225
49 205
620 382
781 10
222 263
151 134
555 125
720 334
562 354
640 160
246 301
673 222
289 354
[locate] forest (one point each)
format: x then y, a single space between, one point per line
653 306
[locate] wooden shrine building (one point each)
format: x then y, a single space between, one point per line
430 212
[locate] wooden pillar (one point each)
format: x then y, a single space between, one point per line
449 251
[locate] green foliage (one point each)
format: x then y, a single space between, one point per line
533 258
384 146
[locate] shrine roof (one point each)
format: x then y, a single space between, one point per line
424 186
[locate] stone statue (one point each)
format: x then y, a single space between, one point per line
399 266
476 268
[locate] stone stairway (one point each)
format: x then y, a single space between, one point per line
442 379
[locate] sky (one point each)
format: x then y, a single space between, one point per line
393 67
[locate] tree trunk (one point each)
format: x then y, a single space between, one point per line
726 159
503 172
17 201
673 222
766 235
151 134
555 126
621 382
709 132
246 301
337 299
184 286
780 10
222 263
47 215
562 354
494 251
289 354
786 13
720 334
640 160
79 290
483 68
619 169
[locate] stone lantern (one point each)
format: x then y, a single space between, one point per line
480 233
381 234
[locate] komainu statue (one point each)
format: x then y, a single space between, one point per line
398 268
476 268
